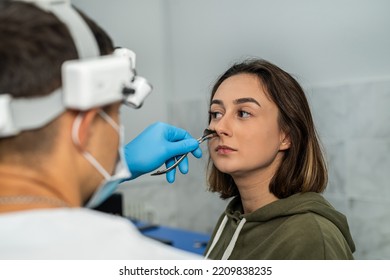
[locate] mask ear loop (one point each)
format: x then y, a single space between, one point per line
87 155
108 119
118 127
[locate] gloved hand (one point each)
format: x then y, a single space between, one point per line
158 144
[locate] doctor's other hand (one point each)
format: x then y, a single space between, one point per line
160 143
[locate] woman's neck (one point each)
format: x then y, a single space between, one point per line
254 189
255 196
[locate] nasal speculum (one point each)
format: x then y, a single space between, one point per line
207 134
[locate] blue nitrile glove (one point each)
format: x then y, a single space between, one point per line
158 144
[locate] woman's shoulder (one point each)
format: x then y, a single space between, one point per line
310 225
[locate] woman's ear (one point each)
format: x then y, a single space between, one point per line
85 127
285 143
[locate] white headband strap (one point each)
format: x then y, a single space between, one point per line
82 36
28 113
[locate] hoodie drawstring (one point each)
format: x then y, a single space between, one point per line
232 243
217 236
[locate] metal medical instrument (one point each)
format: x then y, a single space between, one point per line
207 134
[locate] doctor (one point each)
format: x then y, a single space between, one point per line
61 88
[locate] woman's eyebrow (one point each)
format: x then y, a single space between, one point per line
216 101
245 100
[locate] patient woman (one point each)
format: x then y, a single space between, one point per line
266 156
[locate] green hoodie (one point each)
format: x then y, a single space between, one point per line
300 227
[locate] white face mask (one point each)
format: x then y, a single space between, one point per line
121 172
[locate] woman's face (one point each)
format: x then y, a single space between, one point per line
246 121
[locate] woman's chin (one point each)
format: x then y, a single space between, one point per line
227 169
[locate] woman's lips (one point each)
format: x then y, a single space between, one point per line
222 149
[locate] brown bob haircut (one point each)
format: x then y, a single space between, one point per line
303 168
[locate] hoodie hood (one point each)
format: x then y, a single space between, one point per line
277 213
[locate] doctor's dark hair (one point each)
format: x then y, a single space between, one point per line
303 167
34 44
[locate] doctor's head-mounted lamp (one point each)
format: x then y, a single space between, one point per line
88 82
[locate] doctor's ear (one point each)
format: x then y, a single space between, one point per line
83 127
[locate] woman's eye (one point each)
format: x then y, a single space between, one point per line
244 114
215 115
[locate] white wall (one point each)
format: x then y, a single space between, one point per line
338 50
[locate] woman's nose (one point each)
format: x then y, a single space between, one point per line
222 127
